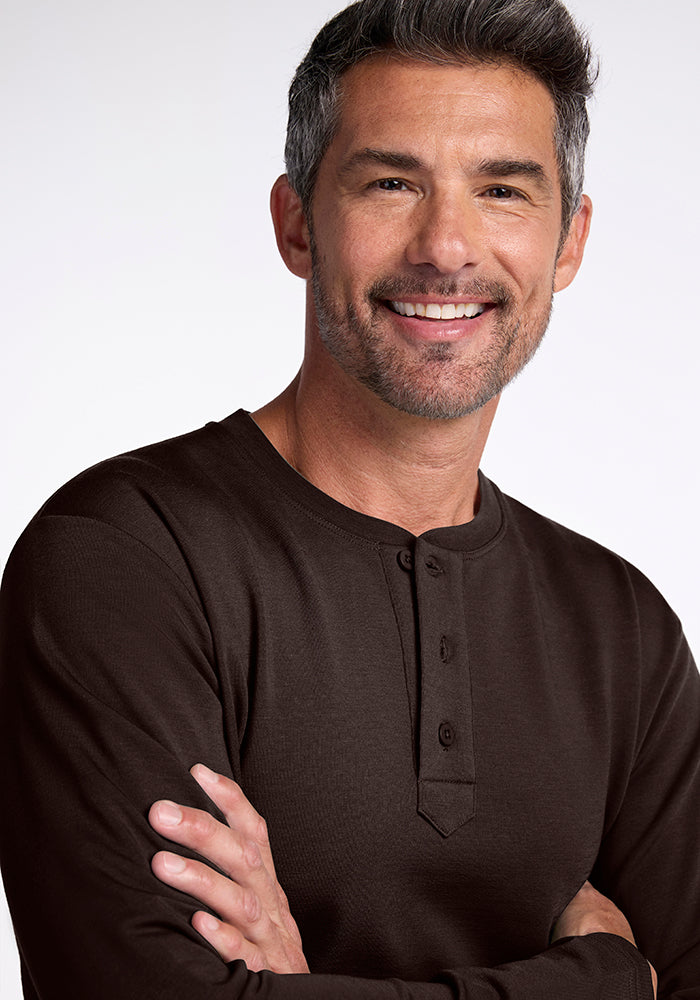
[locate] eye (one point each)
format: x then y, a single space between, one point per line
390 184
502 193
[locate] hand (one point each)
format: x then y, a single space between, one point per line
589 912
256 925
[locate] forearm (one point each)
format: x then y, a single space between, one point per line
109 696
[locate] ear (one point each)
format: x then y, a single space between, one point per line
291 231
571 254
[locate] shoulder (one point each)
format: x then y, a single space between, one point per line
579 573
160 502
179 469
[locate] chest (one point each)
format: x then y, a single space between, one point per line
424 739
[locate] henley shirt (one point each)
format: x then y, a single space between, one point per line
447 735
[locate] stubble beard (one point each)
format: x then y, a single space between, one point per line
433 381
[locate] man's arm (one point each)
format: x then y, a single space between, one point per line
254 922
109 692
649 861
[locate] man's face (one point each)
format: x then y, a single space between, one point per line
436 222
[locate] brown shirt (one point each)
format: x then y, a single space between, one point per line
447 735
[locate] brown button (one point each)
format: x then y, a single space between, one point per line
405 559
433 566
446 734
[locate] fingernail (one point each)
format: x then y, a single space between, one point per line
169 813
173 863
203 773
209 923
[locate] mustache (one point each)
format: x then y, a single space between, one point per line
397 286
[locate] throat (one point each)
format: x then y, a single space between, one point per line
365 454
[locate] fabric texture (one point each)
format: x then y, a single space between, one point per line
446 734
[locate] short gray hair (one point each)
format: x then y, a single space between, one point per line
537 35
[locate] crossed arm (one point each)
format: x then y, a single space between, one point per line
98 729
255 924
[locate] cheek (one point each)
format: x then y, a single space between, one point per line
529 258
371 243
355 258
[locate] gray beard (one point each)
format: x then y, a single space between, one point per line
435 384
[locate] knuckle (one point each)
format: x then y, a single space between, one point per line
202 826
252 907
235 939
232 943
233 793
252 855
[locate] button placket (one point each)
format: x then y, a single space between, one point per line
446 778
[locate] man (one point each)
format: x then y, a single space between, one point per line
474 735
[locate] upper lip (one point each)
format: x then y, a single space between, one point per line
436 300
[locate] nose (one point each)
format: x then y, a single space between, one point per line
447 234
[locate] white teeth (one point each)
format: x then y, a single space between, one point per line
472 309
433 310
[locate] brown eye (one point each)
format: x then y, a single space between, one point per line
501 192
391 184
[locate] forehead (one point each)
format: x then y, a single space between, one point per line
478 108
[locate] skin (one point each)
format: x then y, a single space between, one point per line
256 925
441 185
450 226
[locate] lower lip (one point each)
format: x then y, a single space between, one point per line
439 331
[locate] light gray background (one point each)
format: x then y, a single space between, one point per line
141 294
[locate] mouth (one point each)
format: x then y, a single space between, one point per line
438 310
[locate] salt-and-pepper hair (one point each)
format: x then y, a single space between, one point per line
539 36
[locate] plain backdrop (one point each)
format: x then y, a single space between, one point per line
141 293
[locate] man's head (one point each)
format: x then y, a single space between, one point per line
427 212
539 36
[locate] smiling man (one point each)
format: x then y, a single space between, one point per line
436 201
473 734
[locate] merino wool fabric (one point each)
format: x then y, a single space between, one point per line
447 736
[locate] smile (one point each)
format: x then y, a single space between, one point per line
434 310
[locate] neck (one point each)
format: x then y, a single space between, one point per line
414 472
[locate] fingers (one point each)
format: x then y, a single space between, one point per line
245 930
231 945
240 858
237 906
240 814
255 924
228 941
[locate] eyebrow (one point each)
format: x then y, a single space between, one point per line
383 157
516 168
505 168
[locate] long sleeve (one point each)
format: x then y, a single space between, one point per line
649 861
110 692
